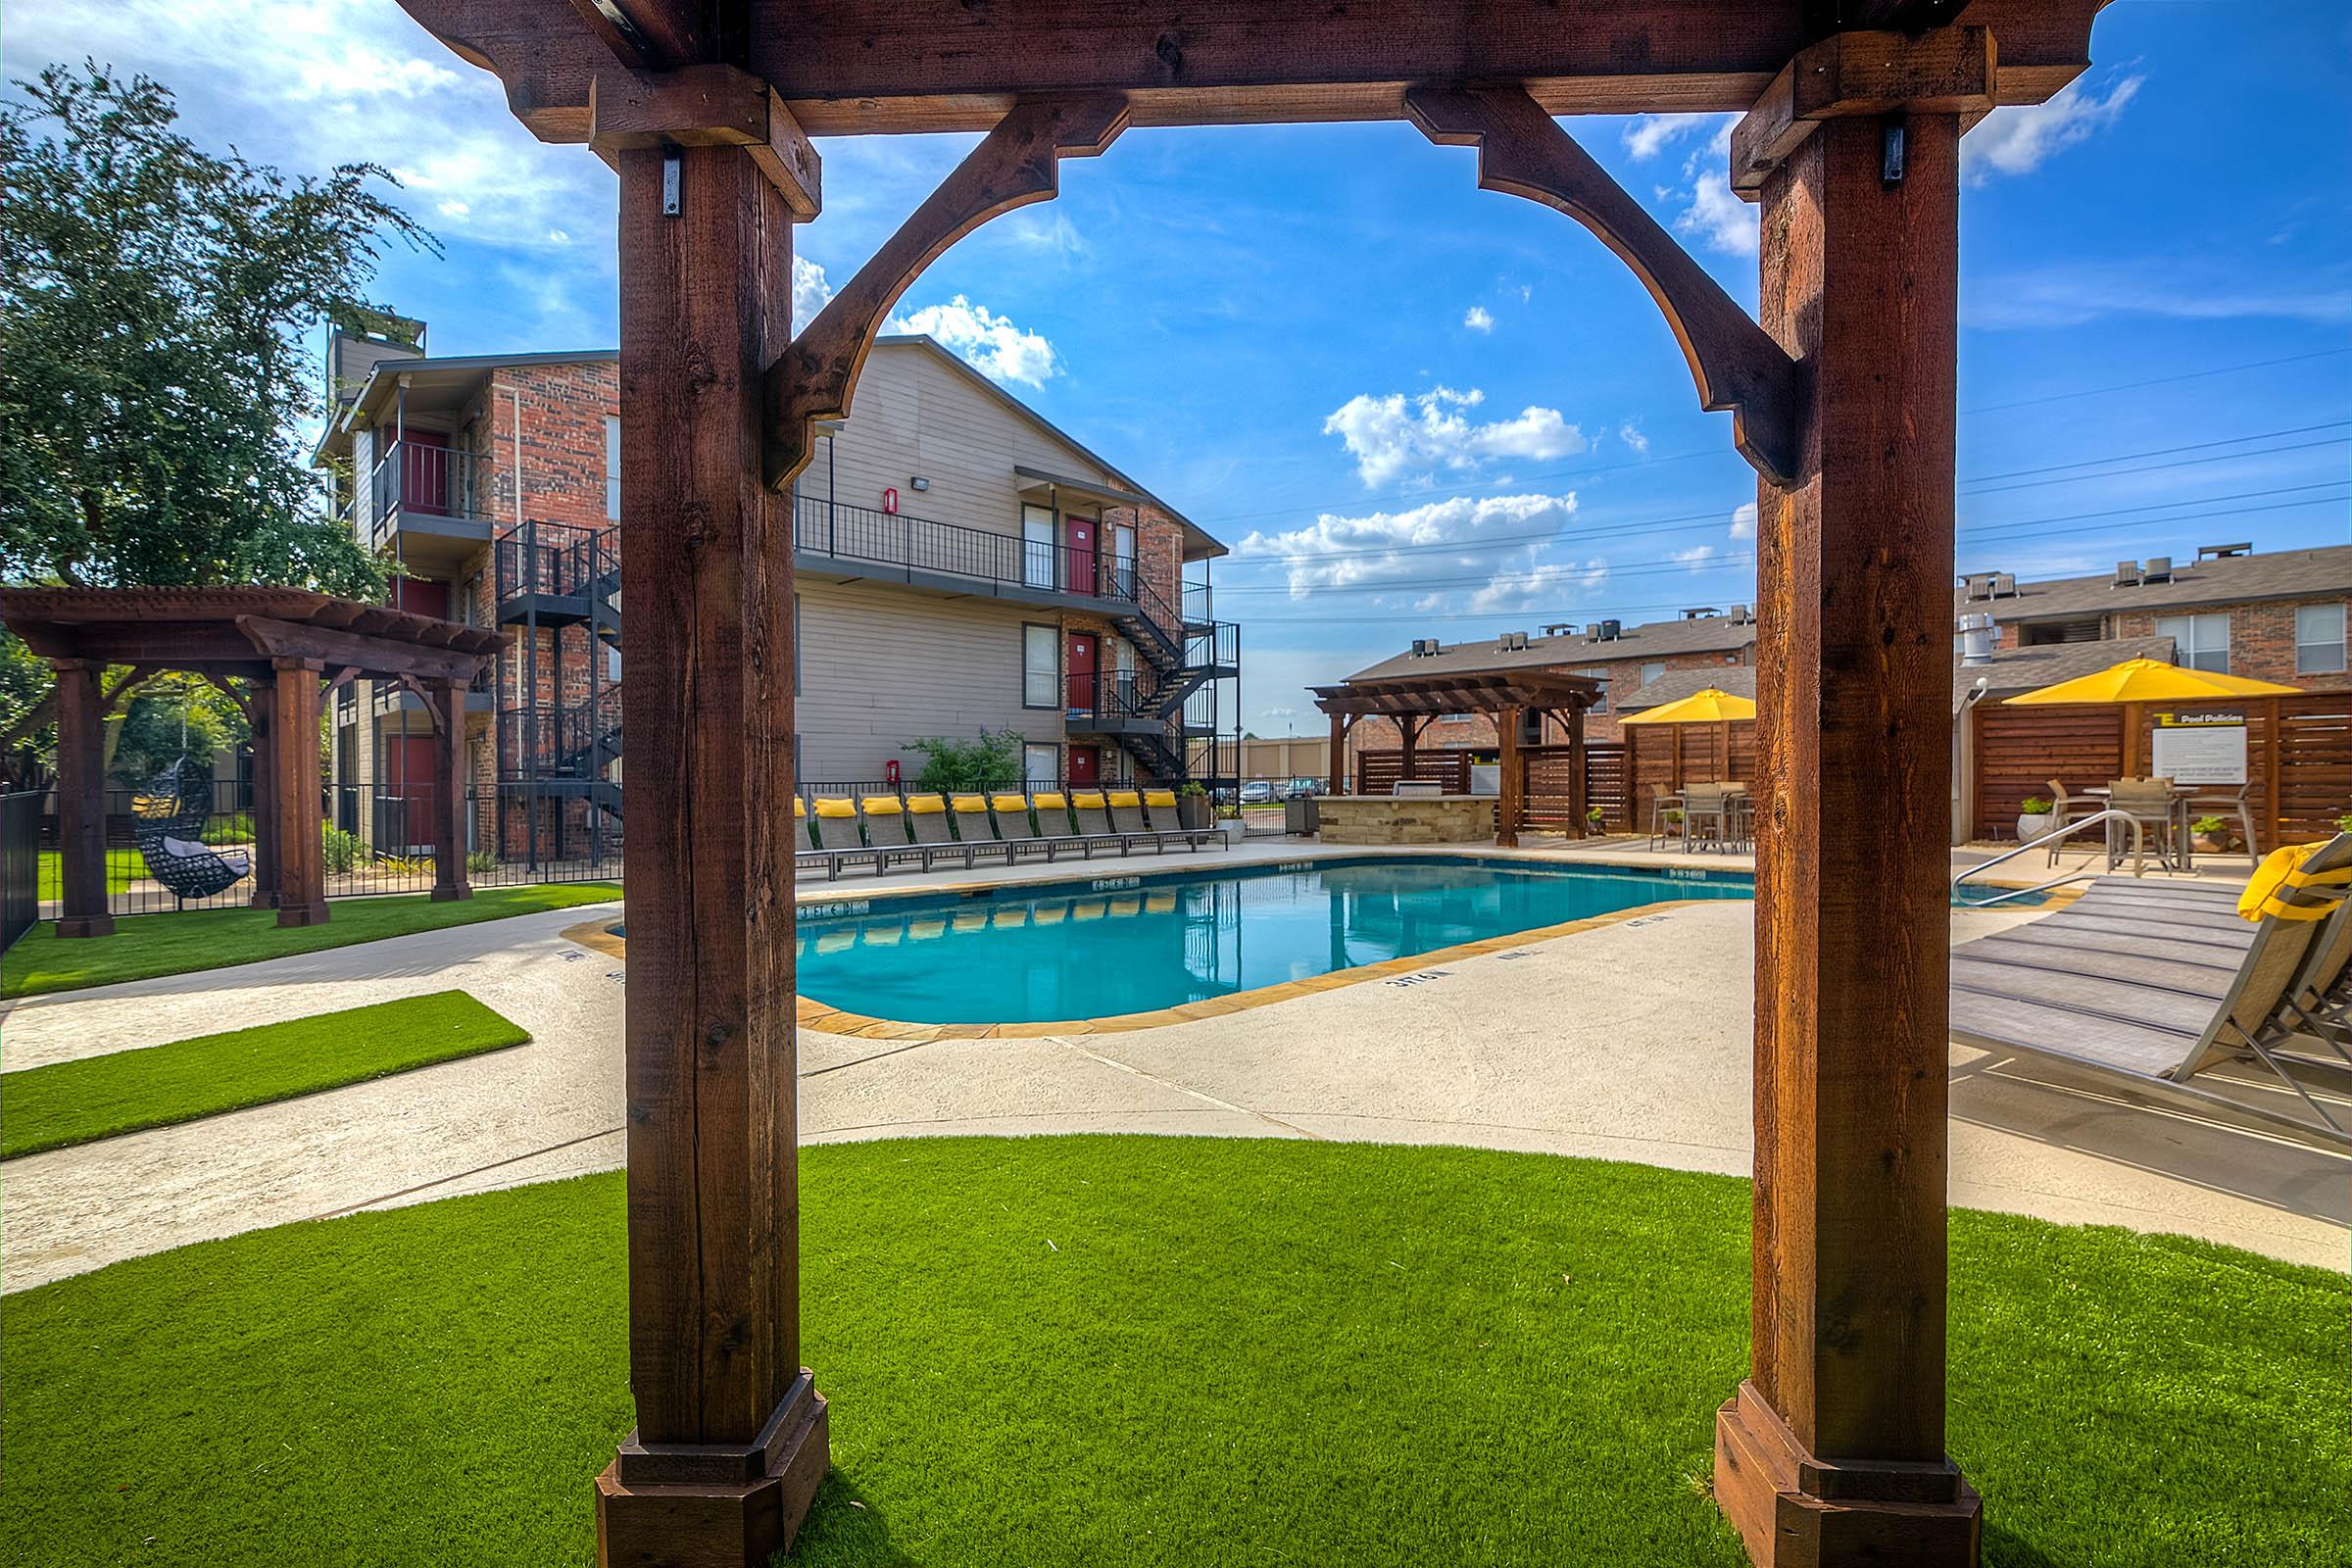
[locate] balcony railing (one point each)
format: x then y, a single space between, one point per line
564 558
426 481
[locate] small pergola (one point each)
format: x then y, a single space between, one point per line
285 648
1507 695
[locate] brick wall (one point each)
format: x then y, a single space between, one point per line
2262 639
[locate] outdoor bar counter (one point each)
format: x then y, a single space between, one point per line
1407 819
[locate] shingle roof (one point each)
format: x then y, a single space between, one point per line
2228 580
2012 671
1657 639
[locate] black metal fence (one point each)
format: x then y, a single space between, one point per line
19 864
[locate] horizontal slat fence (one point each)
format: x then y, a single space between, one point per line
2019 751
1607 785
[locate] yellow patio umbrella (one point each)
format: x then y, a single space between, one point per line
1712 705
2145 680
2136 682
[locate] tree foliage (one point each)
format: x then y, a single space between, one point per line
991 762
153 384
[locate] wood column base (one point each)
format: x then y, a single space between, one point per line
87 926
302 913
696 1505
1796 1511
452 895
263 901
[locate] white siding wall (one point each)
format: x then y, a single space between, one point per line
883 666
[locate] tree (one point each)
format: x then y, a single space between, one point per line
153 383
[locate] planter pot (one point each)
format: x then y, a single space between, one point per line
1234 831
1192 810
2032 826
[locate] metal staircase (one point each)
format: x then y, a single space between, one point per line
1160 713
555 798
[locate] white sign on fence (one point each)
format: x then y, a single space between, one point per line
2201 754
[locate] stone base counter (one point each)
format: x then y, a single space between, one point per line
1407 820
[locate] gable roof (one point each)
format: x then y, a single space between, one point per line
2227 579
1200 543
2012 671
1657 639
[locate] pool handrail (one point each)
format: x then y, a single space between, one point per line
2045 843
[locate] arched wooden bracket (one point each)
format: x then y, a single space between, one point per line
1016 164
1522 150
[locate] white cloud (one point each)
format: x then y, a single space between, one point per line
1547 585
2067 294
2019 138
1479 318
1632 436
1394 435
991 343
1697 557
809 290
1718 219
1451 538
1744 521
1277 712
1652 134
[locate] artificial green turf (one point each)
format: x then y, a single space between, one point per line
148 945
122 868
121 1092
1129 1350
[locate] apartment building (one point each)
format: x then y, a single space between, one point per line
2272 615
962 564
1623 658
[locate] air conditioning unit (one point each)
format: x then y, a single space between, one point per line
2004 585
2156 568
1512 641
1423 647
1611 630
1740 616
2126 574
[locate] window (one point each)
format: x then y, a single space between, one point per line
1040 765
1037 546
1600 673
1652 671
612 467
2319 639
612 661
1041 666
2200 642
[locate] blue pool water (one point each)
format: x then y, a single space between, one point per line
1106 944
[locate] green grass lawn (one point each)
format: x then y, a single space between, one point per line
100 1096
148 945
122 868
1132 1351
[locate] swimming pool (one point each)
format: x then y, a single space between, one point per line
1105 946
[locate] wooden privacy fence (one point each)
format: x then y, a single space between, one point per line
1547 803
2298 759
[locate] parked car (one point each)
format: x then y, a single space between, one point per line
1258 792
1299 789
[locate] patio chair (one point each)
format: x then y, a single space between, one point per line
1127 817
1015 829
886 832
1707 810
2237 802
1166 816
2065 810
167 820
2155 805
2156 993
1091 813
975 835
926 819
840 838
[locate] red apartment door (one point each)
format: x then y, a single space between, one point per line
424 472
413 783
1078 534
420 596
1079 681
1085 765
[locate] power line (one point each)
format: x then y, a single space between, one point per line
2157 452
2156 381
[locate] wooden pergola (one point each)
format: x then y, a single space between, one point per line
274 651
1507 695
1842 397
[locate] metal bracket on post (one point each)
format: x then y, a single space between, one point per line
670 184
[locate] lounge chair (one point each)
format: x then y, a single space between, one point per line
1167 819
926 819
975 836
840 841
1091 810
1014 828
2157 991
886 832
1127 817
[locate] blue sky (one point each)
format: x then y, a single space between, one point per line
1417 408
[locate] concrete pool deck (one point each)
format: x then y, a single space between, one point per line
1595 1043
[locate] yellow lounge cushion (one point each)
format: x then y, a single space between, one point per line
1050 801
1125 797
800 807
972 803
883 805
926 804
1088 799
1010 803
835 806
1155 798
2281 873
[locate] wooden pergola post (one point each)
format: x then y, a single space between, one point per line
1339 726
451 881
1578 762
261 704
1513 788
1832 1451
295 791
730 1443
1408 730
80 801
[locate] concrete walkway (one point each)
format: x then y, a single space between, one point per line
1629 1042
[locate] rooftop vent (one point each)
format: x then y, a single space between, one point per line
2223 552
1976 639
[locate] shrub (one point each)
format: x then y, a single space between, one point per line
342 851
2034 806
2343 824
2209 827
235 828
481 862
991 762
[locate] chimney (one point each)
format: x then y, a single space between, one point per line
1976 639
